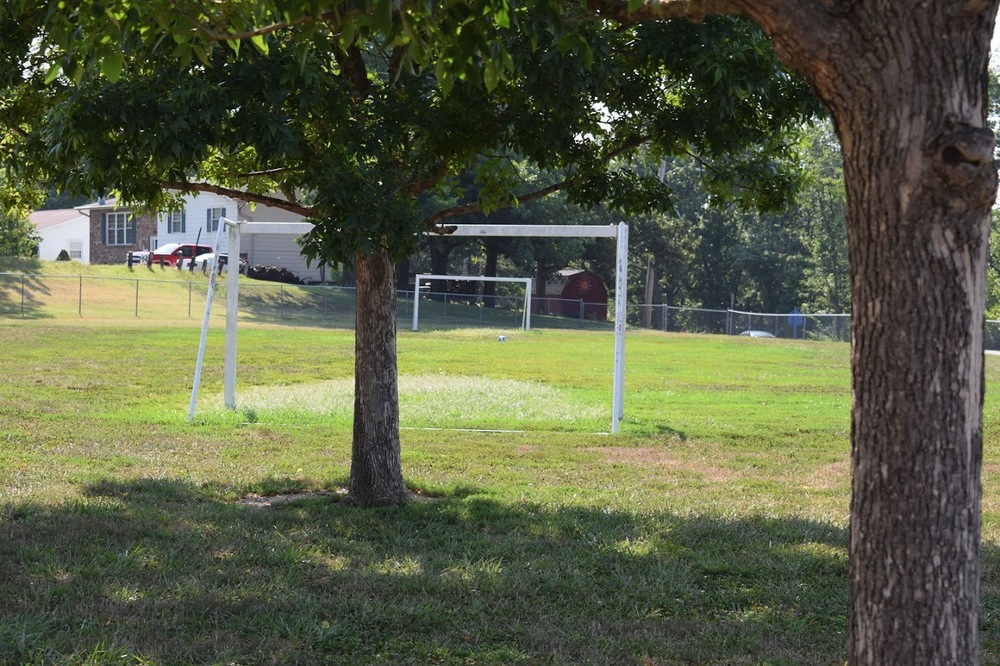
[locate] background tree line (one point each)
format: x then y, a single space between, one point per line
703 251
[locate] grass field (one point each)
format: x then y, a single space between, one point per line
713 530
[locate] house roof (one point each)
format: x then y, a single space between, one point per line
43 219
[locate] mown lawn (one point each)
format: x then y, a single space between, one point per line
711 530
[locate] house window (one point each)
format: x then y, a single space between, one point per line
75 249
175 222
214 215
119 229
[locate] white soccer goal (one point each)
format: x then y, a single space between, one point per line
525 318
618 232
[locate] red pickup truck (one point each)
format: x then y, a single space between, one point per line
171 253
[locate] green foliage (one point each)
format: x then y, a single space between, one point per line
63 256
709 255
822 210
352 114
993 270
18 237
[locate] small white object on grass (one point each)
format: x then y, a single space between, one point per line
502 338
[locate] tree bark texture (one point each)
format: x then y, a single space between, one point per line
376 469
906 85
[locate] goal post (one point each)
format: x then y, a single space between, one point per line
525 318
617 231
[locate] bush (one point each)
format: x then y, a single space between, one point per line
63 256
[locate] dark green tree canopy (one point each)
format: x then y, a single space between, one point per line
347 124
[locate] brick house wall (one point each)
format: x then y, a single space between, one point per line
101 252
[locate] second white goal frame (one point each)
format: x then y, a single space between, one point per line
525 318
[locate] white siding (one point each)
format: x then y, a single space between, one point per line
195 221
58 237
277 250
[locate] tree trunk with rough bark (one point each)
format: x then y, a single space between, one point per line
376 470
906 85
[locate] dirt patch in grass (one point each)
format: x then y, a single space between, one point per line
266 501
269 501
829 476
650 455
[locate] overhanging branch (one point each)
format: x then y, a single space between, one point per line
432 222
694 10
209 33
250 197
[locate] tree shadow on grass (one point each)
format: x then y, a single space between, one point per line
170 572
22 290
989 619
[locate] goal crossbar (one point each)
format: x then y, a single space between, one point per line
525 318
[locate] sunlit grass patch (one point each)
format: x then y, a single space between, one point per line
432 401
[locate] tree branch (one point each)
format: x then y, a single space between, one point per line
263 199
17 129
210 34
431 181
803 31
432 222
693 10
264 172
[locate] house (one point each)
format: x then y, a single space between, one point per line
62 229
114 231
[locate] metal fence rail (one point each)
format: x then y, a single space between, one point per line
23 295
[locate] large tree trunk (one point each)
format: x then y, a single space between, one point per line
376 471
906 85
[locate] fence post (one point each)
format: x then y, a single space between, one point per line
281 303
136 298
190 287
22 295
663 318
583 313
79 302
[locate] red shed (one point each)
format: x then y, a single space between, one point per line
585 286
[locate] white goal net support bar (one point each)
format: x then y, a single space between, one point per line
617 231
525 318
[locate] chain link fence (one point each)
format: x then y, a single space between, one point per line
73 296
